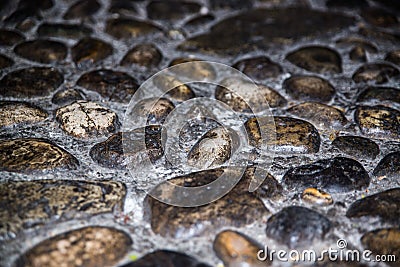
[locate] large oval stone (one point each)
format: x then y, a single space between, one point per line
389 166
357 146
43 51
16 113
259 68
309 88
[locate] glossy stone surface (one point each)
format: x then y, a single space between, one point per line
17 113
73 31
317 197
389 166
379 94
161 10
259 68
375 73
309 88
155 109
145 55
123 28
43 51
67 96
90 50
357 146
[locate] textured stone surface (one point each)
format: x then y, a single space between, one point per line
389 166
28 155
67 96
198 70
375 72
85 119
123 28
30 82
309 88
43 51
333 175
73 31
173 87
156 109
90 50
82 9
33 203
318 197
357 146
145 55
259 68
379 94
112 85
15 113
297 226
385 205
161 10
90 246
10 37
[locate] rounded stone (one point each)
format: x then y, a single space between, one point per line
321 115
166 258
358 53
82 9
378 120
316 59
122 7
89 246
231 4
258 99
70 31
357 42
30 82
16 113
377 34
43 51
10 37
237 249
315 196
198 70
84 119
5 62
379 17
379 94
145 55
90 50
259 68
335 175
55 199
124 28
292 135
112 85
394 57
67 96
199 21
385 205
171 10
156 109
357 147
29 155
297 226
309 88
375 72
389 166
173 87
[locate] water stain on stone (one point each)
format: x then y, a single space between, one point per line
309 88
90 50
84 119
379 95
171 10
335 175
375 72
321 115
166 258
124 28
297 226
145 55
43 51
14 113
70 31
82 9
30 82
259 68
357 146
237 249
10 37
389 166
394 57
198 70
173 87
316 59
385 205
30 155
33 203
112 85
379 17
90 246
238 208
67 96
5 62
378 120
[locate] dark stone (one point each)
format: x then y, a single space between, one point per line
90 50
166 258
30 82
36 4
199 21
389 166
378 120
34 203
112 85
20 15
36 155
394 57
316 59
107 247
347 3
357 42
122 7
5 62
155 109
297 226
73 31
10 37
379 17
377 34
259 68
67 96
335 175
198 70
375 72
14 113
43 51
145 55
309 88
263 27
390 4
379 95
171 10
82 9
358 53
173 87
385 205
231 4
357 147
123 28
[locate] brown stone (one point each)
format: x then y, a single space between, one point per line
90 50
259 68
375 72
16 113
145 55
43 51
309 88
123 28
